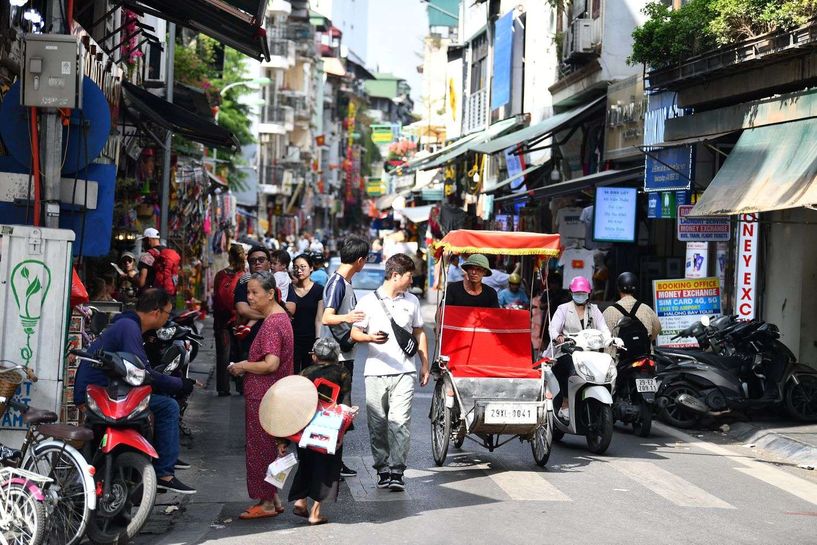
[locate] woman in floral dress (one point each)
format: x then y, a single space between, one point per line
269 360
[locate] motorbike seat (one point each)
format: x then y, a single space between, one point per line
715 360
66 432
39 416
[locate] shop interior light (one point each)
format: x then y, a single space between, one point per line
18 3
34 16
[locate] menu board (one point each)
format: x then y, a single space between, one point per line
615 214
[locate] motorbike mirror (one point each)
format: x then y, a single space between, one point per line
706 321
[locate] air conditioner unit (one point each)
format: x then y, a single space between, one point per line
578 39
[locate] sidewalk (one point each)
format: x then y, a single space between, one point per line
793 443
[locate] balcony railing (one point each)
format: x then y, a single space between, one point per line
271 175
282 53
300 106
476 112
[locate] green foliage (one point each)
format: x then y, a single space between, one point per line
195 65
668 36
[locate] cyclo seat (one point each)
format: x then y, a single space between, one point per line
39 416
66 432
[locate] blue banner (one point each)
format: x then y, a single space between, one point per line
503 55
669 169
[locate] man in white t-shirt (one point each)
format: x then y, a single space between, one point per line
390 373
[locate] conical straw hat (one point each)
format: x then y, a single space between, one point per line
288 406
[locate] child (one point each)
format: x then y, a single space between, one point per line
318 473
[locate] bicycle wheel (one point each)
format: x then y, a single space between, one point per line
67 495
22 516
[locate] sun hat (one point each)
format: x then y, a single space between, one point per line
288 406
127 254
514 279
477 260
150 232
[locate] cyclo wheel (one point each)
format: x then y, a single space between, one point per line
541 441
440 424
67 494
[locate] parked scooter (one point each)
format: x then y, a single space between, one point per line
740 366
634 394
120 453
589 390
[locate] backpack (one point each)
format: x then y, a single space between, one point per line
167 263
223 298
633 332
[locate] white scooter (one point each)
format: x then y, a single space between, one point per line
589 390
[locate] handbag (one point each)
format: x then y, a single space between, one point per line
404 339
342 333
325 431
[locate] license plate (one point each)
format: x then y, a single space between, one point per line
510 413
646 385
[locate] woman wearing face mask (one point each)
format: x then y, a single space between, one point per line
569 319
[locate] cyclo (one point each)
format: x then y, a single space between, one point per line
489 384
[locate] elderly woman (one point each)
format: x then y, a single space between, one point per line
306 322
318 474
269 360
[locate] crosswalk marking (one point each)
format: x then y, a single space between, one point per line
668 485
527 486
761 471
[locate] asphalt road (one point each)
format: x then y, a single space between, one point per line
668 488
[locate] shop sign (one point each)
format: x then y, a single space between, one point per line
664 205
669 169
382 134
701 229
625 118
746 292
614 217
697 259
680 303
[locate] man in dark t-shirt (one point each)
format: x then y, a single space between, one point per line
471 292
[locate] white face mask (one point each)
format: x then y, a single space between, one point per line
580 298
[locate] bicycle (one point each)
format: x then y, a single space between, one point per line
22 504
70 495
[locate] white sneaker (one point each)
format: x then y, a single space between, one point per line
564 413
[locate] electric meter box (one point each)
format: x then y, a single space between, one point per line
51 71
35 291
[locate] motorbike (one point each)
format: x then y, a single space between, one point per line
634 393
119 417
739 366
589 390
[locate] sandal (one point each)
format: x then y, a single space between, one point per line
322 520
300 512
257 512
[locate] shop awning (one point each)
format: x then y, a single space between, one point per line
513 178
607 177
538 130
236 23
418 214
467 143
386 201
770 168
177 119
685 141
420 162
334 66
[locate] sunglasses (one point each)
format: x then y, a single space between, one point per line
254 260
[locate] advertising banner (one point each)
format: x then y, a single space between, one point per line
615 214
503 56
696 260
701 229
680 303
747 266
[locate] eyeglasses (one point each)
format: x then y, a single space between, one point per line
254 260
163 311
127 259
301 267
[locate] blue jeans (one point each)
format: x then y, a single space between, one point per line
165 434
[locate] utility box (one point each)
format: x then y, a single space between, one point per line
35 291
51 71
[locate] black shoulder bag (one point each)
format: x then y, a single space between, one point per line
405 339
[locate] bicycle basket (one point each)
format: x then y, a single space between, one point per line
10 379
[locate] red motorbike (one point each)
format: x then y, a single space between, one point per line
118 415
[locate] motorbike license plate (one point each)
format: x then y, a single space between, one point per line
510 413
646 385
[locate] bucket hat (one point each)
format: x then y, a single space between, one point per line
477 260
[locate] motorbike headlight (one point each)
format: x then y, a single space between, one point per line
166 333
134 375
582 368
611 373
140 408
173 365
92 406
595 342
